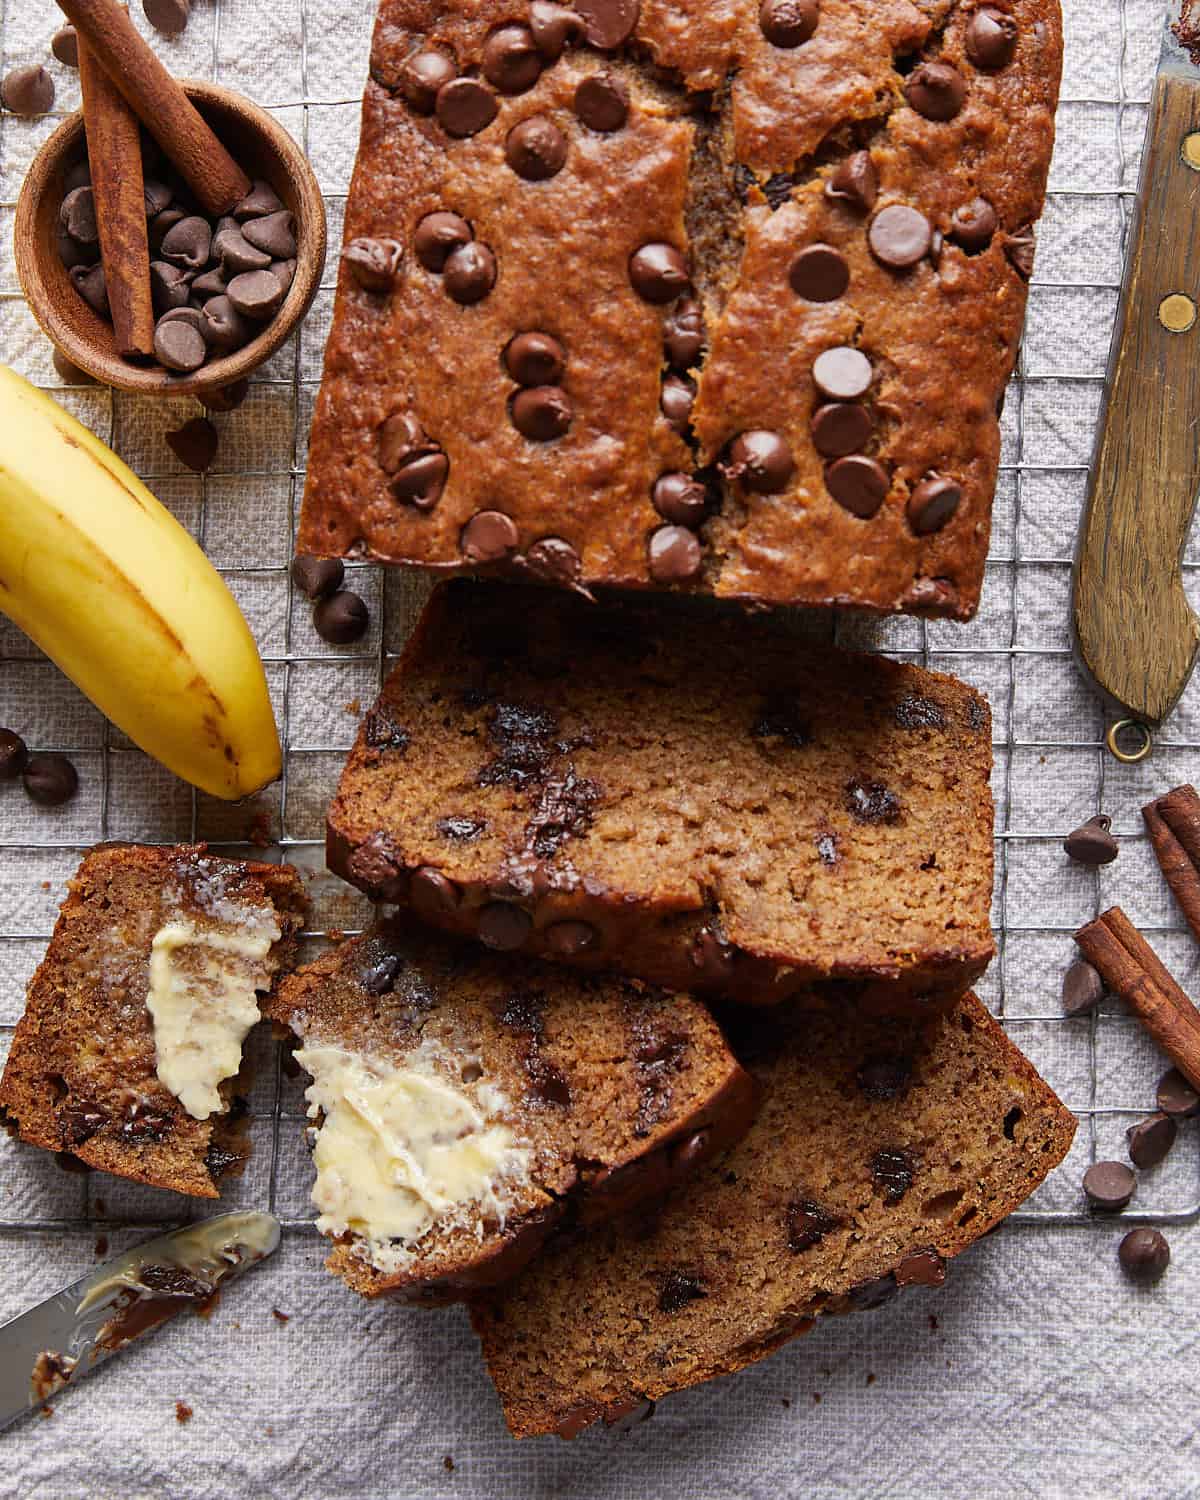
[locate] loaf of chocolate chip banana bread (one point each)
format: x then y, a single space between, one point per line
129 1053
695 799
715 298
879 1151
468 1103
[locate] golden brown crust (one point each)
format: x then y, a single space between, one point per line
726 153
880 1151
708 803
81 1072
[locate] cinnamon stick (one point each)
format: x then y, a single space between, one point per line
1173 823
115 157
159 102
1131 969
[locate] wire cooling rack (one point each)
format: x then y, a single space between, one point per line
1052 769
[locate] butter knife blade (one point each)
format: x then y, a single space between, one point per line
66 1337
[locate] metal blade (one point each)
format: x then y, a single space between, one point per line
66 1337
1181 38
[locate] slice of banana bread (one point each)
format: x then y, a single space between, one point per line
695 799
468 1102
129 1052
880 1149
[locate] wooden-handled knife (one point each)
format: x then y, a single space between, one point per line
1134 631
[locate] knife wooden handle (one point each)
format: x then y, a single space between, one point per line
1134 630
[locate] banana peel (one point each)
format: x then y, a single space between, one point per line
117 594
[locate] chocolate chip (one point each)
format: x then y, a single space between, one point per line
1109 1185
899 236
211 284
168 286
27 91
677 1290
915 711
143 1122
541 412
273 234
602 102
1082 988
1020 249
511 59
921 1268
871 802
341 618
892 1171
554 560
420 480
854 181
761 461
503 926
806 1224
72 253
840 427
65 46
1151 1139
50 779
79 1122
235 252
488 536
187 243
379 976
157 197
973 225
1144 1254
553 26
255 294
423 76
89 282
461 829
569 939
858 484
535 359
936 90
842 374
161 225
374 264
680 499
317 577
788 23
819 274
194 444
168 16
536 149
224 328
677 398
14 755
78 215
431 894
225 397
284 272
991 38
874 1293
608 23
932 504
675 555
1092 843
1176 1096
659 273
470 272
381 732
179 346
79 174
464 107
683 334
401 438
262 199
437 236
782 718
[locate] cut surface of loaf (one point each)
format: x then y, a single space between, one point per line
720 298
129 1051
468 1102
702 802
879 1151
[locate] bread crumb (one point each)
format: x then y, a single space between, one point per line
870 1378
785 1403
101 1246
448 1463
816 1398
269 1431
183 1412
45 885
258 830
933 1322
353 707
280 1317
47 1411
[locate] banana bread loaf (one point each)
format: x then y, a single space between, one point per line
665 295
129 1052
709 804
468 1102
879 1151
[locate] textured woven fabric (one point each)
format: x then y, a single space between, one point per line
1037 1370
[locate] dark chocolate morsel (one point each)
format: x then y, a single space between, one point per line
541 412
469 273
536 149
437 236
554 560
676 400
464 107
1109 1185
841 427
317 577
431 893
179 345
608 23
65 46
255 294
1177 1096
28 91
675 555
991 38
195 443
761 461
683 334
602 102
1092 843
1151 1139
421 480
553 26
1082 988
854 181
50 779
535 359
973 225
503 926
567 939
936 90
819 274
512 62
488 536
341 618
858 484
187 243
374 264
262 199
1144 1255
659 273
14 754
899 236
422 76
788 23
932 504
842 374
680 499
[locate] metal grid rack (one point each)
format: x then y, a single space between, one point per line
1005 661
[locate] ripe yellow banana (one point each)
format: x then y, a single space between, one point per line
116 592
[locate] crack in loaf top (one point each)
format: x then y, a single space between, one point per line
711 296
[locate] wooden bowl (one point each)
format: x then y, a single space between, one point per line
263 149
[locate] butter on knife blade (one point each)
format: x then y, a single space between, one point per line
67 1336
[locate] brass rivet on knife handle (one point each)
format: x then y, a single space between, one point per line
1134 630
158 101
115 156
